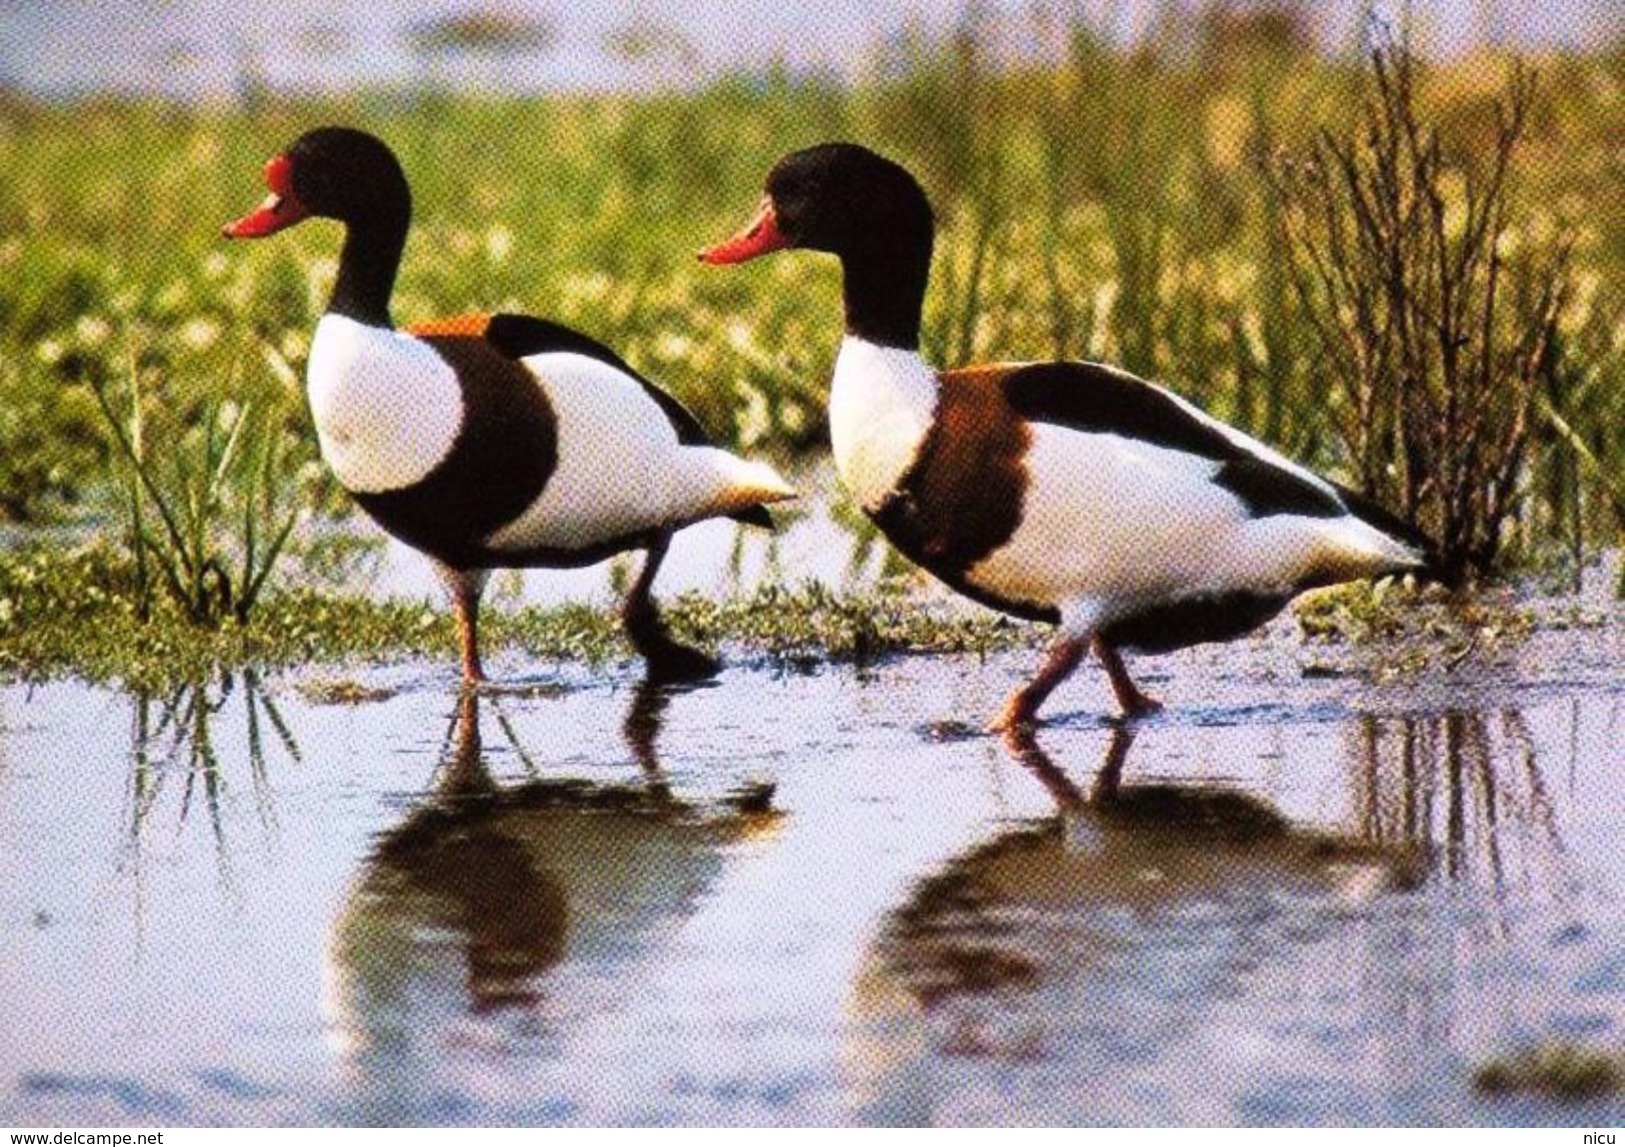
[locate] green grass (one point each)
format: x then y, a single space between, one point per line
75 610
1106 203
210 498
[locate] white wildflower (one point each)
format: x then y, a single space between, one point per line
670 345
92 330
755 420
200 333
295 345
498 244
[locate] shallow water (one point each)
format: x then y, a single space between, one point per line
814 898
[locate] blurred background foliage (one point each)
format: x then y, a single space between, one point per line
1097 198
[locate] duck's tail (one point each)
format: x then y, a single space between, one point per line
720 484
1422 551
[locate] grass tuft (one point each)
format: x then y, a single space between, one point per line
76 611
1556 1069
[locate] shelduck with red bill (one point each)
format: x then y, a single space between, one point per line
492 441
1068 492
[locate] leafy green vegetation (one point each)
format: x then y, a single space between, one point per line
1108 202
1402 629
75 609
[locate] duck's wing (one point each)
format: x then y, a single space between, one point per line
519 336
1099 399
1096 398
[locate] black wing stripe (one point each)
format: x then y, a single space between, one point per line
1373 514
754 516
1266 489
1096 399
1192 621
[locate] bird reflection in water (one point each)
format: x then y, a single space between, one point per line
1108 934
1149 926
496 920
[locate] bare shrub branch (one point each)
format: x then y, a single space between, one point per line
1433 335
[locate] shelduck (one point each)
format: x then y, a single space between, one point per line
491 441
1067 492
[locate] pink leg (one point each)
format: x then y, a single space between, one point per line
468 637
462 764
465 587
1021 707
1023 746
1130 700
